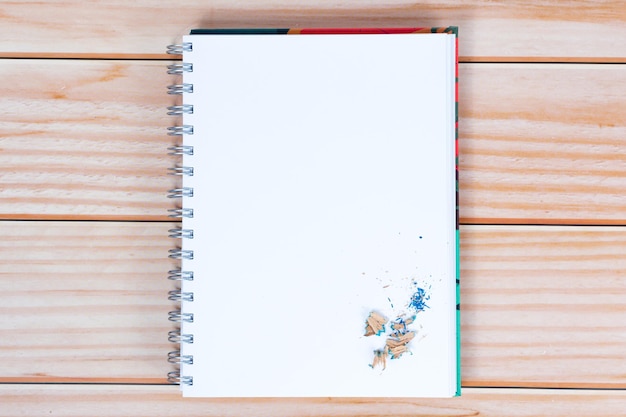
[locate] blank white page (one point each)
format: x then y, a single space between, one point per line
323 190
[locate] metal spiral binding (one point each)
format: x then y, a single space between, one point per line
175 357
175 336
174 377
179 89
180 110
179 213
179 275
179 233
180 150
180 130
179 49
177 69
181 254
178 295
187 171
177 317
180 192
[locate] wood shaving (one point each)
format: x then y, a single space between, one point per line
375 324
401 325
380 359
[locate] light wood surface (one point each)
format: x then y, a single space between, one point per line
85 301
83 177
543 143
155 401
542 306
84 138
490 30
532 150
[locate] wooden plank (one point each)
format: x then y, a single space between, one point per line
542 143
86 140
546 304
489 30
85 401
86 302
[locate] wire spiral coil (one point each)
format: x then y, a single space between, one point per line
180 48
187 171
180 110
180 233
177 69
176 357
179 317
180 275
175 336
180 192
179 89
180 150
180 130
180 213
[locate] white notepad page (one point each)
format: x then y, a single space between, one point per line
324 190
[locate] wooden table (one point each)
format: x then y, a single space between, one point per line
83 206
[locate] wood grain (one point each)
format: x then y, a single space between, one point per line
544 303
86 140
489 29
82 138
121 401
542 143
86 302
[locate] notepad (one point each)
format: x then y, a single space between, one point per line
317 255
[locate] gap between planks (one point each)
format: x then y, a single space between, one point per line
165 219
166 57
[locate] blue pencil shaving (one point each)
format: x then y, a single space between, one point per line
397 343
418 300
400 325
398 340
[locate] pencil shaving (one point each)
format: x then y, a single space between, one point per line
397 351
380 359
401 324
396 340
375 324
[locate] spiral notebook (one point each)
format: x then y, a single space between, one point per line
318 250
